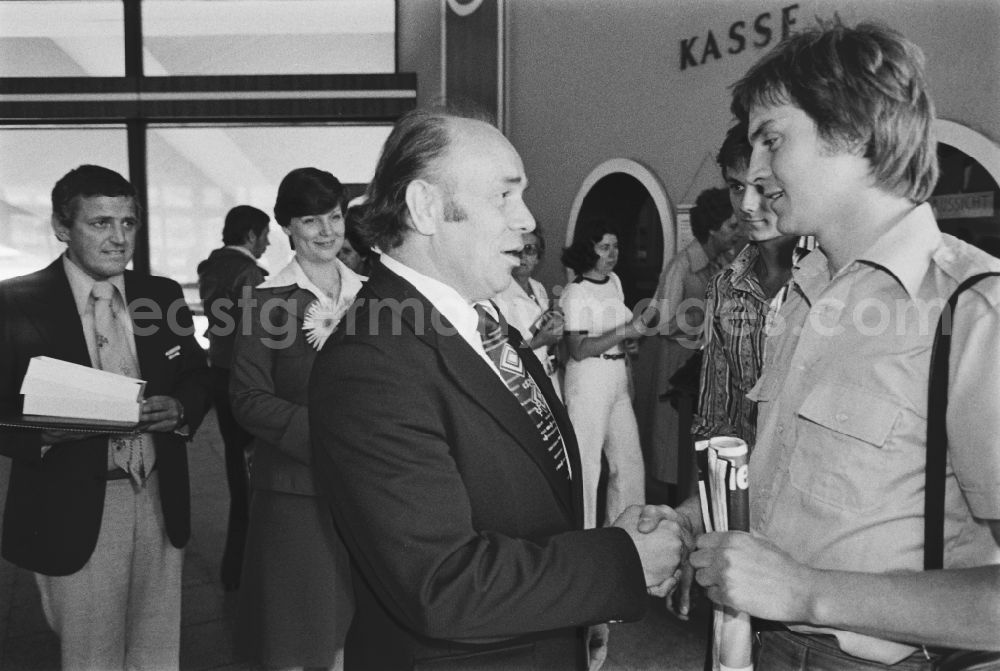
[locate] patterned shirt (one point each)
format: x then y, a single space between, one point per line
735 314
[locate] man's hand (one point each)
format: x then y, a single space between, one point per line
678 588
161 413
597 645
662 547
752 575
678 599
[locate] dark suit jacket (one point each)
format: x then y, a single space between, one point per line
55 504
468 550
268 389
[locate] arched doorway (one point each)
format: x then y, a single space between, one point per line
965 199
632 198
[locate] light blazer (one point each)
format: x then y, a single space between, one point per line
55 504
467 548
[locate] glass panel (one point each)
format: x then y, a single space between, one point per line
965 200
33 160
196 174
193 37
71 38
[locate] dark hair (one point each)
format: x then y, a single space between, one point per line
413 150
864 88
735 150
240 221
86 181
306 191
580 256
711 209
352 222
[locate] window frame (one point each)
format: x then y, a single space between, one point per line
137 101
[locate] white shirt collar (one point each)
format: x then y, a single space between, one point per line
446 300
242 250
81 284
293 274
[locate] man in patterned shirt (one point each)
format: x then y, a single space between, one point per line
738 302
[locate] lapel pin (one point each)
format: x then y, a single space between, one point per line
173 352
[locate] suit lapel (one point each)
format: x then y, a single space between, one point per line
51 309
478 381
147 345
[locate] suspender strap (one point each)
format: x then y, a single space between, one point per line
937 430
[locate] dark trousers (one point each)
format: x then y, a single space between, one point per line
236 441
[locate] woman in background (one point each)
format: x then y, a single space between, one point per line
597 323
525 305
296 601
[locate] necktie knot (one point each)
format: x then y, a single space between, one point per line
103 291
489 328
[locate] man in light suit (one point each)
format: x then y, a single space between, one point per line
103 541
463 518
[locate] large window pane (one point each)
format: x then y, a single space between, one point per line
71 38
33 159
196 174
193 37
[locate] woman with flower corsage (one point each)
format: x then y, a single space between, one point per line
296 601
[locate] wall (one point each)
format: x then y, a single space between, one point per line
418 46
592 80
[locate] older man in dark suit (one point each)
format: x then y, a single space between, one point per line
450 464
101 520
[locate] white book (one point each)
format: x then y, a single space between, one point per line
62 389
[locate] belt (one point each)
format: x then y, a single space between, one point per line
122 474
613 357
759 624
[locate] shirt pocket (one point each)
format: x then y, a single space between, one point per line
838 458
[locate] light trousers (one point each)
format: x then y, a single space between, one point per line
122 610
597 398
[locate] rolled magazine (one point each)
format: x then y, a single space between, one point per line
725 506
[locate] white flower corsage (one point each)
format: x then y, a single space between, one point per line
322 317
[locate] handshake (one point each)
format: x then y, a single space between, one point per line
664 538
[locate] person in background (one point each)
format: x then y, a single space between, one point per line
680 299
446 458
738 302
296 602
224 278
841 125
525 305
597 383
355 253
102 520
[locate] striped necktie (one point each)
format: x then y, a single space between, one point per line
519 382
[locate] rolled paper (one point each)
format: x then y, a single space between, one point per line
735 452
736 645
